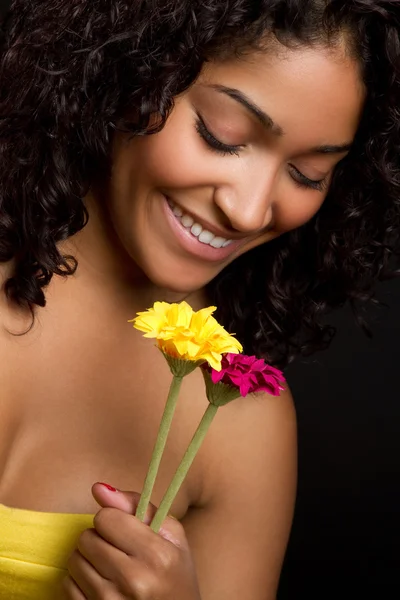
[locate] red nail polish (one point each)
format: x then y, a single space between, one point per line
109 487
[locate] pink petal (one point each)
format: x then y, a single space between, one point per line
216 376
244 388
237 379
259 365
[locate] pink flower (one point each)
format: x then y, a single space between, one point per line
248 374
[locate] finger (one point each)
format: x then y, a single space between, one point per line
108 496
134 538
88 580
71 591
103 556
127 573
126 533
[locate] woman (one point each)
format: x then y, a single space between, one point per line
236 153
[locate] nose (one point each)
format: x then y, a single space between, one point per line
247 203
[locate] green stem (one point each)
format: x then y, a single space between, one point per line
183 468
161 440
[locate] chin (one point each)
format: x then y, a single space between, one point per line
176 280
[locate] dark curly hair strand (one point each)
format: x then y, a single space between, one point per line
71 72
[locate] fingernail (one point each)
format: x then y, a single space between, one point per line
109 487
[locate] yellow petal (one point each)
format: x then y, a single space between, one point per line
187 334
181 346
193 349
214 361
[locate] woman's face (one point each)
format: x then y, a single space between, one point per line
246 155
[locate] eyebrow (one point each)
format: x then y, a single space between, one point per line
268 123
265 120
332 149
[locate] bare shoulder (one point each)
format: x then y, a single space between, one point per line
249 466
256 439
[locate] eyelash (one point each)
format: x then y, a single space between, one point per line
224 149
304 182
215 144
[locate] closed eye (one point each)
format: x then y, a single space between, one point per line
304 182
213 142
226 149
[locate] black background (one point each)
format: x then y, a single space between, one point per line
4 5
345 541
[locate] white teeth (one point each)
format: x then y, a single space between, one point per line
217 242
187 221
204 236
177 211
196 229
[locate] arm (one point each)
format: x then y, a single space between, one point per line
238 539
231 547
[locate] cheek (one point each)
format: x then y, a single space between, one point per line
297 210
171 158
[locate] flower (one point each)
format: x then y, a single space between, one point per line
237 376
248 374
187 339
185 334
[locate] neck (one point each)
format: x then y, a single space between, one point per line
103 260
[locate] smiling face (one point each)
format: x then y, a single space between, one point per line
247 154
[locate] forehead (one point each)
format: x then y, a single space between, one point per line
315 94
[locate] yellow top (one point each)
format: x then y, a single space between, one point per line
34 549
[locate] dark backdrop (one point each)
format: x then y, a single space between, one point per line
4 6
346 531
345 541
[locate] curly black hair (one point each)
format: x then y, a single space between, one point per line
71 72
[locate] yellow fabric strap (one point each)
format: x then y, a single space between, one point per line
34 549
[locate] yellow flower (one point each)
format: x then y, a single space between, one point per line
183 333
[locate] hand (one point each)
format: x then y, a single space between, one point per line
123 559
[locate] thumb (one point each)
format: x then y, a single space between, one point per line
109 497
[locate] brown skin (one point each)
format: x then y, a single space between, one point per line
125 559
83 393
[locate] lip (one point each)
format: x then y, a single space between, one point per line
218 231
192 245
